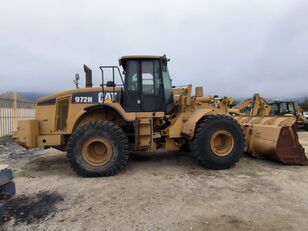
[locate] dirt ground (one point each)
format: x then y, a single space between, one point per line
163 191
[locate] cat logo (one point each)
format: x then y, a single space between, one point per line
107 97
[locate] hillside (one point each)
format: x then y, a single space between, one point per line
33 96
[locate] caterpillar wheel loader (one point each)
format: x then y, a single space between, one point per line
289 108
257 106
99 126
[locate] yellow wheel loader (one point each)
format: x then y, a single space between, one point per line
289 108
257 106
100 126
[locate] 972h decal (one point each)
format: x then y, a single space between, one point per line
95 97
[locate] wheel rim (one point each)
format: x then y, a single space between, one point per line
97 151
222 143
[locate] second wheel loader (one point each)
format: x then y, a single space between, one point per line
257 106
99 126
288 107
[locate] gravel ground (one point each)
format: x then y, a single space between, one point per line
159 191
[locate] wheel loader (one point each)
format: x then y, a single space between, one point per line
289 107
99 126
257 106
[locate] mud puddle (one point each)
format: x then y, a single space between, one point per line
33 209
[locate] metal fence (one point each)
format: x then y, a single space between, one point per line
12 108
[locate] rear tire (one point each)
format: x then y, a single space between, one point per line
98 148
218 142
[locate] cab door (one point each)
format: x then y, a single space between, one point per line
144 89
152 91
132 94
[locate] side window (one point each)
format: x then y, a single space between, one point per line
132 75
275 109
150 77
291 108
147 77
283 108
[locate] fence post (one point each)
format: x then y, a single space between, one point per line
14 111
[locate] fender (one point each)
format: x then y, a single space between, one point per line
128 116
192 120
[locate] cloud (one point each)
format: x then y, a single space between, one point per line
231 47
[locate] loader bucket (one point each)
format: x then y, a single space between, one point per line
273 138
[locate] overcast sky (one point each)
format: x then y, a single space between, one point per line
231 47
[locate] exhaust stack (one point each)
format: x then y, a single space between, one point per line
88 73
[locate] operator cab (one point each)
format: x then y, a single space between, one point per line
283 108
147 84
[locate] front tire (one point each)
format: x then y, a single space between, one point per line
185 147
218 142
98 148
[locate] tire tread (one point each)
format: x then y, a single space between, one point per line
110 128
203 124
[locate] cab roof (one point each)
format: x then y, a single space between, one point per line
140 57
123 59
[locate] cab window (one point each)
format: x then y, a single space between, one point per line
150 77
275 109
132 75
291 108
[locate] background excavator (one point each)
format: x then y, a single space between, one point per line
258 106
